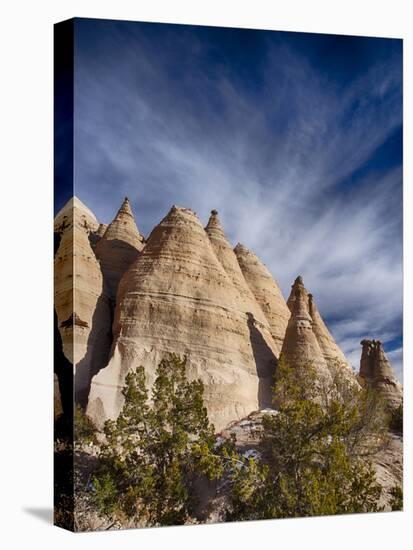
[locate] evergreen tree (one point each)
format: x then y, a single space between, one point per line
314 451
157 449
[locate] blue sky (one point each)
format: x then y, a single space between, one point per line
296 139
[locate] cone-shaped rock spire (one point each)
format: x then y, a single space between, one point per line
298 284
214 228
328 346
377 373
300 346
332 353
123 227
119 247
178 298
229 262
101 229
74 209
77 276
83 314
266 291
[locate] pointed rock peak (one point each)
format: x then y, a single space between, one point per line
241 249
180 213
124 228
214 228
300 309
75 203
266 292
243 253
300 346
178 217
75 211
125 209
298 283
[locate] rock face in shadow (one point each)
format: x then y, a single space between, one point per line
118 248
63 377
177 297
57 398
376 372
300 346
266 292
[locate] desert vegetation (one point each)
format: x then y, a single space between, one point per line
151 465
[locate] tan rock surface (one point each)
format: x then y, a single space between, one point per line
388 465
266 291
84 216
300 346
119 247
333 355
178 298
298 284
229 262
101 229
78 278
377 373
331 351
83 313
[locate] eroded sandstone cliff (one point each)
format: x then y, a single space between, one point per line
266 291
177 297
377 373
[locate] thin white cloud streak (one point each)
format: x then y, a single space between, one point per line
275 190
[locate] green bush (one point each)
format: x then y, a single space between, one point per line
84 429
156 450
396 501
314 452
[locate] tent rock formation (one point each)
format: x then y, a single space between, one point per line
376 372
127 303
177 297
118 247
266 291
300 346
330 350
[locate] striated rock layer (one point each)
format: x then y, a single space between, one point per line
119 247
226 256
300 346
297 285
266 291
177 297
77 277
331 351
376 372
83 312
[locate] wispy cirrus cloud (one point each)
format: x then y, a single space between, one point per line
301 159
